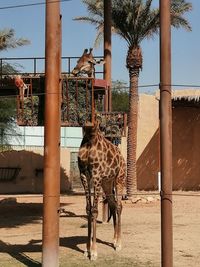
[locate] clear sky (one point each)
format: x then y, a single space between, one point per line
29 22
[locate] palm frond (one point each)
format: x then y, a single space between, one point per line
8 40
99 36
94 7
178 9
90 20
135 20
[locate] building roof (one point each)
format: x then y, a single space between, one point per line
186 94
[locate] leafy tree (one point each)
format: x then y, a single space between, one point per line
8 104
134 21
120 96
7 121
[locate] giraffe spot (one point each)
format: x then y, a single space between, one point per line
100 168
92 153
107 170
99 146
96 166
100 156
115 162
95 172
113 149
96 160
109 157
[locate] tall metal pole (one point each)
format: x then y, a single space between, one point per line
107 53
107 74
166 135
51 197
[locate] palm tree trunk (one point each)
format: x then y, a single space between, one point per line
132 132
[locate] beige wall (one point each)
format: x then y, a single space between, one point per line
148 121
30 178
186 149
147 142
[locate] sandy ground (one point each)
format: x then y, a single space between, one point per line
21 233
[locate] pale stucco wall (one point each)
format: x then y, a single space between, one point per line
30 178
148 121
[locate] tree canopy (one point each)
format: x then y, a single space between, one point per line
8 104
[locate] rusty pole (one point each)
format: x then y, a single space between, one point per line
107 53
51 196
107 76
166 135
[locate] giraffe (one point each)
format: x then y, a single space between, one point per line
101 165
86 63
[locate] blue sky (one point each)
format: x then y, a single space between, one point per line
29 22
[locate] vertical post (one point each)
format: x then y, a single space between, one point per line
107 53
107 76
51 197
166 135
1 66
34 66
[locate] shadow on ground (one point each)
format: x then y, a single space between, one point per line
19 214
18 251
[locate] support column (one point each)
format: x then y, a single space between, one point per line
51 196
166 135
107 75
107 53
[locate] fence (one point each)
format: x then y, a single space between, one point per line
36 65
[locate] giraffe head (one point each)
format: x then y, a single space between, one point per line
92 130
86 63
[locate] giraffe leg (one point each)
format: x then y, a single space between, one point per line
88 212
113 206
93 252
89 239
117 228
115 209
117 243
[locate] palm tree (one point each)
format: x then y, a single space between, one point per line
8 105
8 40
96 18
135 21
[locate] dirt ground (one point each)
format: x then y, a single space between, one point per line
21 232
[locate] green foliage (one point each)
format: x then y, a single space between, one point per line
8 40
133 20
120 101
8 105
76 102
10 68
7 120
7 110
29 116
120 96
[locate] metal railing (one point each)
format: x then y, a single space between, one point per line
36 65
